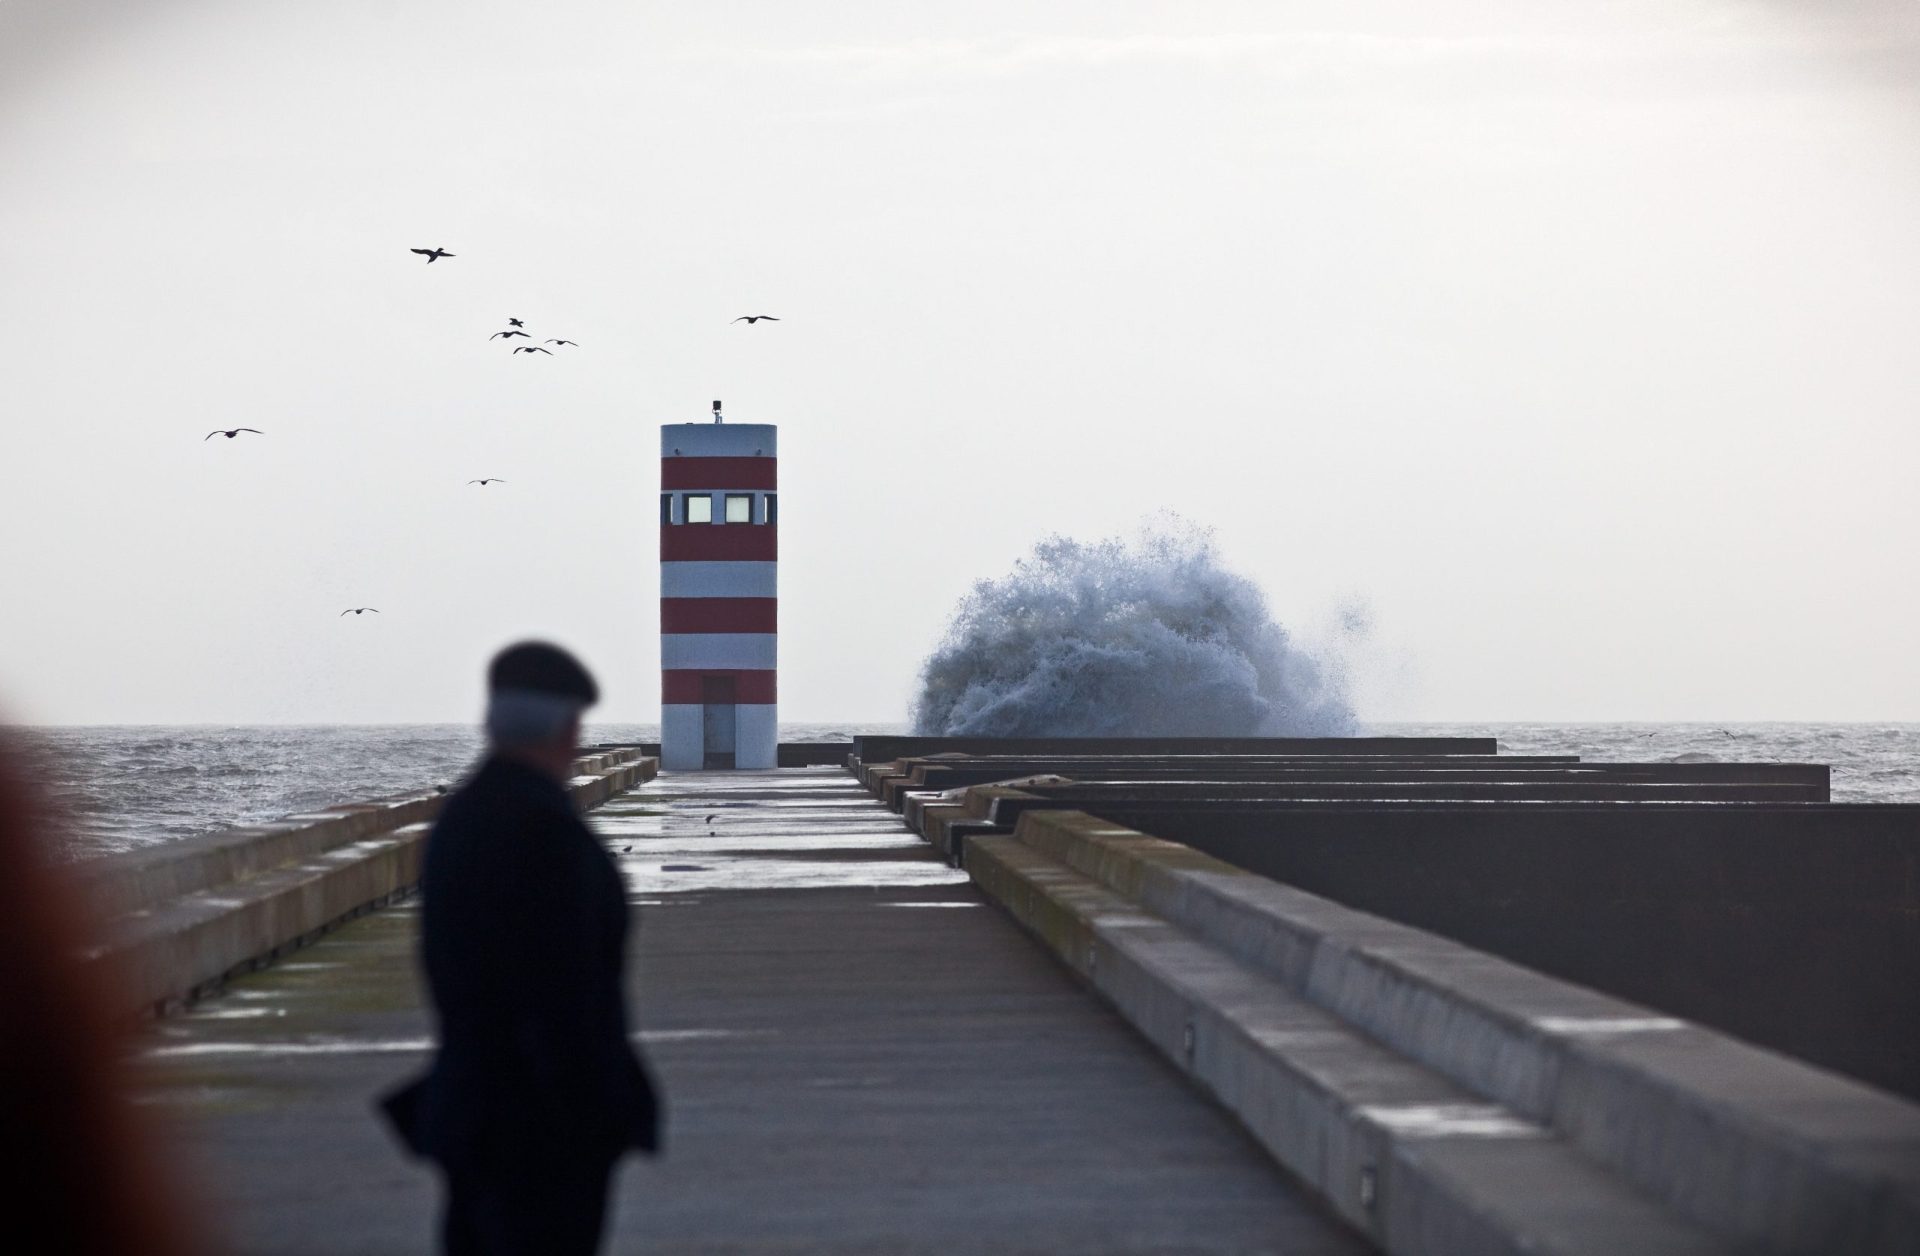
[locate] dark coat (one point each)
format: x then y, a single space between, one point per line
523 936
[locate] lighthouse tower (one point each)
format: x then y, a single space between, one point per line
718 523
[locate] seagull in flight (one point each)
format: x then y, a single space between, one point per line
498 334
494 479
514 322
230 433
432 255
360 610
533 349
748 319
574 343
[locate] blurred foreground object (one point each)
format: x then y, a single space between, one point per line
78 1159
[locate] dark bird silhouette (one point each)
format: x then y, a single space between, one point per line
533 349
514 322
625 849
574 343
360 610
432 255
230 433
498 334
751 319
492 479
709 819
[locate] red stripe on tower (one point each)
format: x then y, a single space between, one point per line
709 472
719 614
697 543
748 686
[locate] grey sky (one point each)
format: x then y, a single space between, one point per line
1579 341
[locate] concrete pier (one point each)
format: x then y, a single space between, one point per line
859 1054
1187 1001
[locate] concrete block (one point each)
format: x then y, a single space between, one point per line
1415 1161
1754 1145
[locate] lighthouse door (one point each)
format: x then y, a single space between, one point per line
716 721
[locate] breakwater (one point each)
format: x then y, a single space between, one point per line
1435 1091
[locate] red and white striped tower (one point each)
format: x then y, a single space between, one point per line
718 595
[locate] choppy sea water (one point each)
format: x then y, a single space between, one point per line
126 786
123 786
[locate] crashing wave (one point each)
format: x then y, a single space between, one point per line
1149 637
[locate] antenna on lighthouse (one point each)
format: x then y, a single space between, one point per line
716 412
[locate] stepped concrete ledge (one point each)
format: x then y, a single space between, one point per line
858 1054
183 916
1526 1114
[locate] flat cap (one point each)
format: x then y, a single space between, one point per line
542 668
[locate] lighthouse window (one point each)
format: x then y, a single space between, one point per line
773 516
699 508
666 508
739 507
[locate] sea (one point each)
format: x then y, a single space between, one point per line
120 787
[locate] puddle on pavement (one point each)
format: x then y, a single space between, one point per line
789 874
394 1046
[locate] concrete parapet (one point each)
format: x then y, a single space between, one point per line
239 898
1148 778
873 748
156 874
1444 1099
1796 927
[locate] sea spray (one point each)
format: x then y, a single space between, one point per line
1114 638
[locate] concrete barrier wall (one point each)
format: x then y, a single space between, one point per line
876 748
152 875
884 778
1795 927
1445 1100
181 920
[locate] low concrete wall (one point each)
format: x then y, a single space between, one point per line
1795 927
183 919
952 770
876 748
1445 1100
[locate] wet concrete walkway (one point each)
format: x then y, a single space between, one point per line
858 1054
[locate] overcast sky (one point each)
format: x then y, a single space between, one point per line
1579 342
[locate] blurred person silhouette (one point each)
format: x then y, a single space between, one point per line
79 1169
536 1090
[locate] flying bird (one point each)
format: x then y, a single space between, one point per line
533 349
492 479
748 319
230 433
574 343
432 255
498 334
709 819
360 610
514 322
